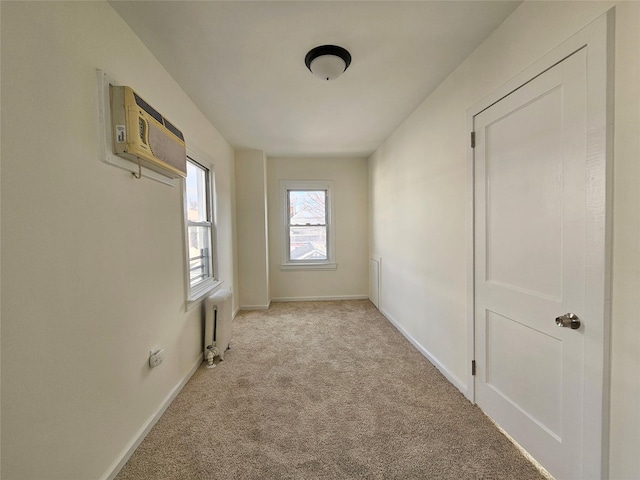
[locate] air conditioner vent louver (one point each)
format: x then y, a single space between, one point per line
173 129
147 108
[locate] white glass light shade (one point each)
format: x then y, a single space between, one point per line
328 67
327 62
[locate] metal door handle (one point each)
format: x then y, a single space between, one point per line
569 320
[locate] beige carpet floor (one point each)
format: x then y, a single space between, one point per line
323 390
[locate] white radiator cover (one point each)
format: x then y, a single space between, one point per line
217 322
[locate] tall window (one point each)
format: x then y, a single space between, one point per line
308 236
200 229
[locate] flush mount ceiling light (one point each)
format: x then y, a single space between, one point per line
327 62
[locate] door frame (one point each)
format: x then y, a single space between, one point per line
598 40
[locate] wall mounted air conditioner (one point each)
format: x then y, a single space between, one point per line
142 135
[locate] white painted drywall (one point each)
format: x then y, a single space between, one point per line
252 240
624 460
350 280
417 191
92 259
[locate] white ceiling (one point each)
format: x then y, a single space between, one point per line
242 63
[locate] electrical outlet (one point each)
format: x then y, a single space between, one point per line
156 358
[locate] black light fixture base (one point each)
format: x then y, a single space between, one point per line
327 50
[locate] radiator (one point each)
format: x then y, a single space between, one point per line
217 323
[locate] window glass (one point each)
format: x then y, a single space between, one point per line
307 207
308 237
199 254
308 243
199 229
197 205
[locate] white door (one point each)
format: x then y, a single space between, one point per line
530 264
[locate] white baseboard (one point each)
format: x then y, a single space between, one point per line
320 299
254 307
124 456
462 386
235 312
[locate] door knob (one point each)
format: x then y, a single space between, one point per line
570 320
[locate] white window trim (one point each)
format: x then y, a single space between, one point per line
196 294
329 263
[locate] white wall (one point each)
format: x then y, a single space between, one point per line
418 193
252 225
350 280
93 260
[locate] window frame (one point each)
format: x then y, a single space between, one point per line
307 185
195 293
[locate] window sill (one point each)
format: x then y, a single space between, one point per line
309 266
202 292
